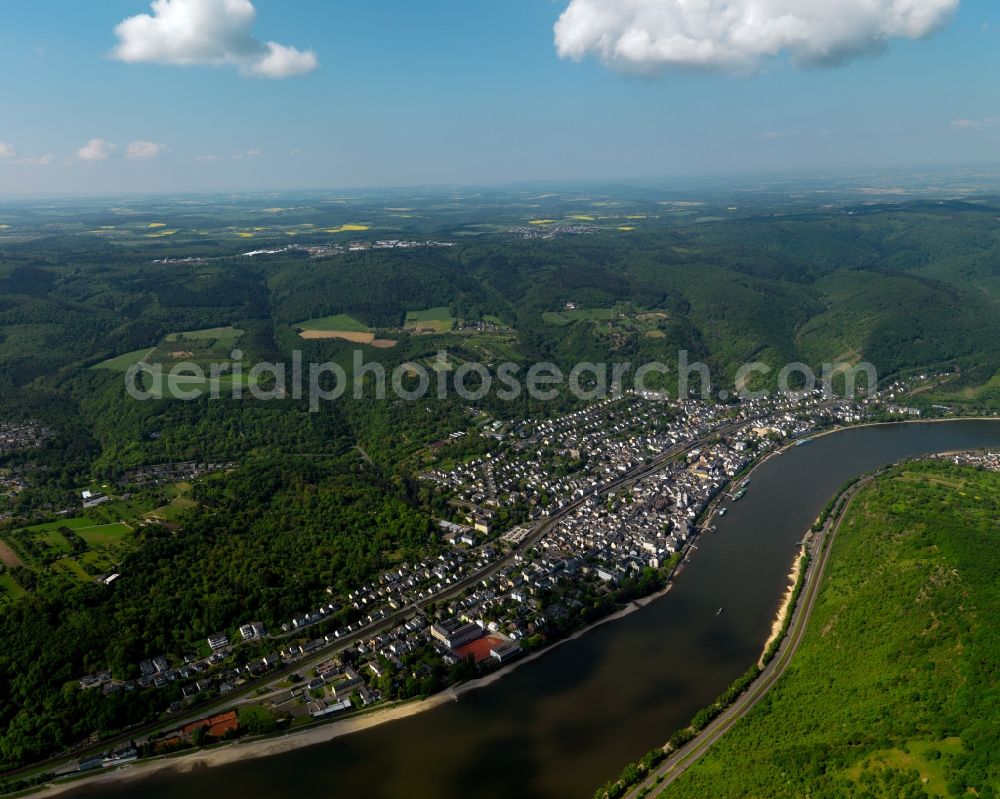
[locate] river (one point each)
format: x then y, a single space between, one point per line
563 724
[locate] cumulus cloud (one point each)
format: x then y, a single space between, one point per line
145 149
248 155
739 36
212 32
7 150
96 150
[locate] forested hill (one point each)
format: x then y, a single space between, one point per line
907 286
298 501
894 690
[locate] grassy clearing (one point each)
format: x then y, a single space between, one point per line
122 363
211 345
182 386
76 523
173 509
957 485
72 568
10 587
570 315
991 388
926 758
433 320
208 334
336 323
104 535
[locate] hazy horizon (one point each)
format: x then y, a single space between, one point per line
202 95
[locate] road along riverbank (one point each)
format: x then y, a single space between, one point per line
560 725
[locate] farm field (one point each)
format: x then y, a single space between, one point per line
338 326
337 322
122 363
432 320
204 347
8 557
83 547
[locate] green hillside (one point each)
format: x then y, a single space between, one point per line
894 691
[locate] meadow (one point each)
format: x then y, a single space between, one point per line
432 320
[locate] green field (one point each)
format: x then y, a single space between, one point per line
9 587
570 315
72 568
95 533
894 690
436 320
338 322
208 334
103 535
75 523
180 385
204 347
122 363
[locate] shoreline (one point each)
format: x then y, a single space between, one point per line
240 751
787 603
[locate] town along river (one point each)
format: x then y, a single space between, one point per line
563 724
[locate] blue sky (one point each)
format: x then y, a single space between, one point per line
393 92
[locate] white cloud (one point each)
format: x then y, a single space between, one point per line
975 124
41 160
206 158
282 62
739 36
7 150
213 32
95 150
248 155
145 149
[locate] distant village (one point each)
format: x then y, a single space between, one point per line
16 436
315 250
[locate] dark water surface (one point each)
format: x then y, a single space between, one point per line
563 724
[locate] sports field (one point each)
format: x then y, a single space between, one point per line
479 650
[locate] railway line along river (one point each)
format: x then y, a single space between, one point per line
564 723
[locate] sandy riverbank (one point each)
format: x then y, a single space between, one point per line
240 751
778 625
